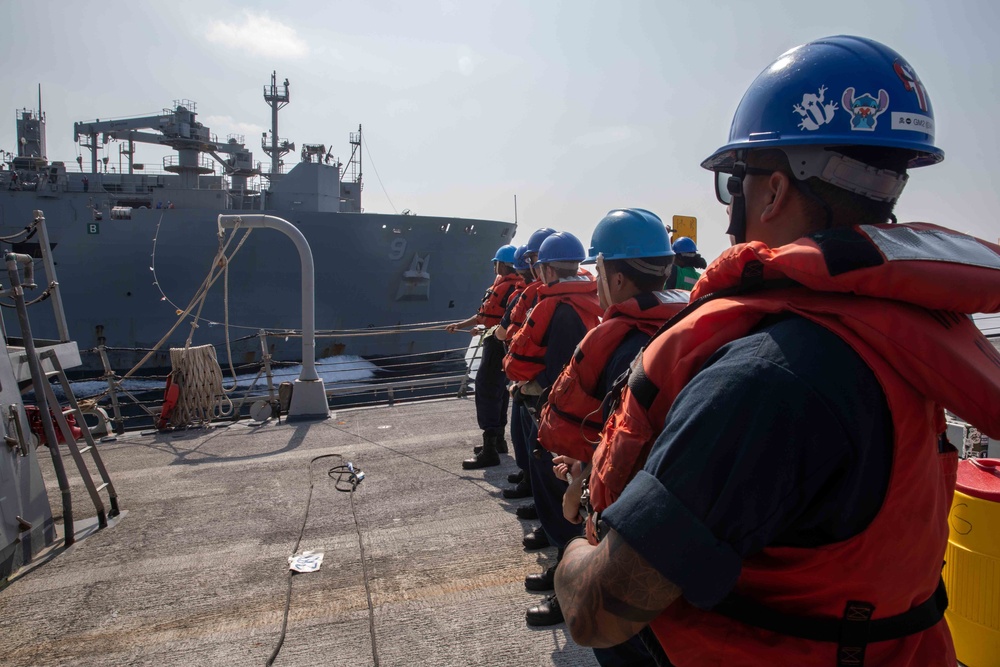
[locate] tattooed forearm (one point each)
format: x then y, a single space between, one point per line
627 579
609 592
624 610
576 596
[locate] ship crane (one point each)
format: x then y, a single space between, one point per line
178 129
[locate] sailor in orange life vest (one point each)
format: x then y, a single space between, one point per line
567 308
633 256
510 324
520 479
492 398
793 507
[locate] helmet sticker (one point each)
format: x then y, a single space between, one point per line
913 122
815 110
864 108
910 82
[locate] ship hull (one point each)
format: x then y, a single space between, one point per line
123 281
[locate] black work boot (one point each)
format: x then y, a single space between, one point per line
499 443
546 613
526 512
486 457
546 581
496 435
521 490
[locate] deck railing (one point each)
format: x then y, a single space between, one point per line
134 403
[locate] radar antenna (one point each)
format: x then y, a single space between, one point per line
277 98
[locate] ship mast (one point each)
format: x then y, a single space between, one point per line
31 137
276 97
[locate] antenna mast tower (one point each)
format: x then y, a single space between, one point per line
277 98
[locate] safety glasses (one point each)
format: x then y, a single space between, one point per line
729 185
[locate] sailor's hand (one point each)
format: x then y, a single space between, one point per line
452 328
571 500
563 465
560 467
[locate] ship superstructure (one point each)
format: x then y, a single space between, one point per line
133 243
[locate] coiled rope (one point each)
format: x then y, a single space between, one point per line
197 374
196 370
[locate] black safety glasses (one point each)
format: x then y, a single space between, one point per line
729 185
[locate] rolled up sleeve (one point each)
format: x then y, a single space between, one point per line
674 541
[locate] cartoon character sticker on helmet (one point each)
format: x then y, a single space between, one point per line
864 108
765 119
815 110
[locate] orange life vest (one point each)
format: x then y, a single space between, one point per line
496 298
572 419
526 357
527 301
512 304
894 293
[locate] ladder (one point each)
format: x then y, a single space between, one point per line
49 406
94 490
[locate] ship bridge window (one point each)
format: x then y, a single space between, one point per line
30 249
470 229
505 232
445 227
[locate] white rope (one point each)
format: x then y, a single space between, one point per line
220 261
198 377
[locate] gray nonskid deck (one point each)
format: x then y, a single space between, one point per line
195 573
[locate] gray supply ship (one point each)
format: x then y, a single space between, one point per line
133 247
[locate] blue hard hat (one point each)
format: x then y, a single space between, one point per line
561 247
535 240
835 91
684 244
629 233
505 254
519 263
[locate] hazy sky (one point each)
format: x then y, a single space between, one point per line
575 107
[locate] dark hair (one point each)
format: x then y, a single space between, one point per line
644 282
846 208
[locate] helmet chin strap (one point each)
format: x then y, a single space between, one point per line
738 220
602 281
738 208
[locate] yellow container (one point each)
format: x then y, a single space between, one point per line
972 564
